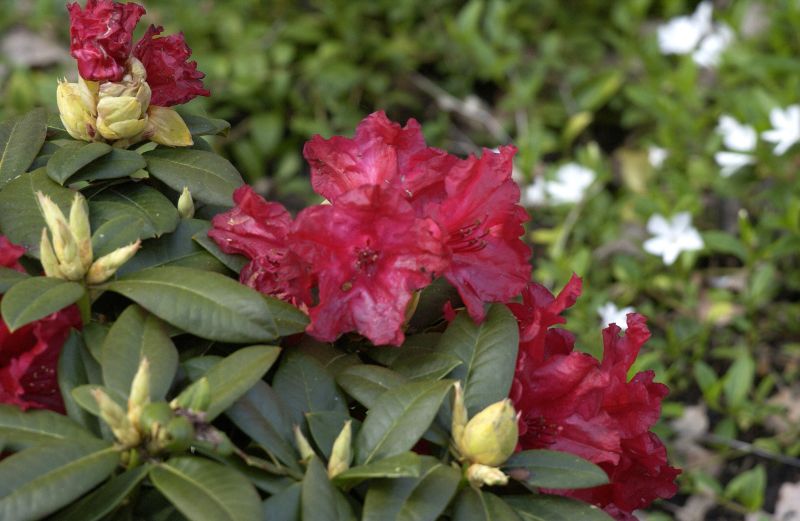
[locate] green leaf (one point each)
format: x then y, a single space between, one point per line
553 469
203 126
20 218
748 488
488 352
105 499
722 242
210 178
120 163
83 396
42 479
738 381
20 140
37 297
431 301
210 305
399 419
366 383
424 364
206 491
116 233
325 426
403 465
72 157
20 429
285 505
233 262
9 277
476 505
136 335
235 374
71 374
422 498
554 508
136 202
305 386
261 415
319 500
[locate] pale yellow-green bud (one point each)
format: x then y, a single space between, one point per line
459 414
117 420
136 70
140 391
166 127
103 268
491 435
79 225
77 110
342 453
64 245
303 446
479 475
120 117
48 257
196 397
186 204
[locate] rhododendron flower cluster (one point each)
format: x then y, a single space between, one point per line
29 355
568 401
401 214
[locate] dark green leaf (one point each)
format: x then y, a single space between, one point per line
554 508
553 469
105 499
169 249
20 429
305 386
116 233
233 262
136 202
72 374
210 305
476 505
424 364
399 419
319 500
20 140
366 383
285 505
37 297
203 126
210 178
118 164
9 277
84 397
403 465
333 359
206 491
72 157
431 301
325 426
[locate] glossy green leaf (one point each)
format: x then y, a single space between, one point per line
206 491
488 352
136 202
532 507
233 262
235 374
118 164
116 233
71 374
553 469
305 386
319 499
210 178
366 383
424 364
210 305
37 297
204 126
20 429
285 505
9 277
477 505
20 218
136 335
42 479
21 138
398 419
84 397
105 499
72 157
324 427
403 465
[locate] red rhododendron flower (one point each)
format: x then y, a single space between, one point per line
172 78
10 254
29 358
260 230
368 252
569 401
100 37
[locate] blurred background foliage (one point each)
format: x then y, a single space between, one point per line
578 81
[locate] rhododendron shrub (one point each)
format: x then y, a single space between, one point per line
173 345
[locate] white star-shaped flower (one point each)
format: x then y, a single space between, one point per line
713 45
735 135
570 183
732 162
656 156
611 314
696 35
535 193
785 130
672 237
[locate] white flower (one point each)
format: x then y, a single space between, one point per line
732 162
735 135
535 193
785 130
713 45
656 156
696 35
610 314
672 236
568 186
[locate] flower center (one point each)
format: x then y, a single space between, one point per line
469 238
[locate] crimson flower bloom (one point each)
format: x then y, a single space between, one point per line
100 37
571 402
172 78
368 252
259 230
10 254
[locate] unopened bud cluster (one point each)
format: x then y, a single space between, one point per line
341 452
119 112
69 254
486 441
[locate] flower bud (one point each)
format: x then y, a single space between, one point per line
154 416
479 475
120 117
166 127
103 268
79 225
64 245
186 204
48 257
140 391
490 437
459 421
180 434
77 109
117 420
196 397
303 447
342 453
